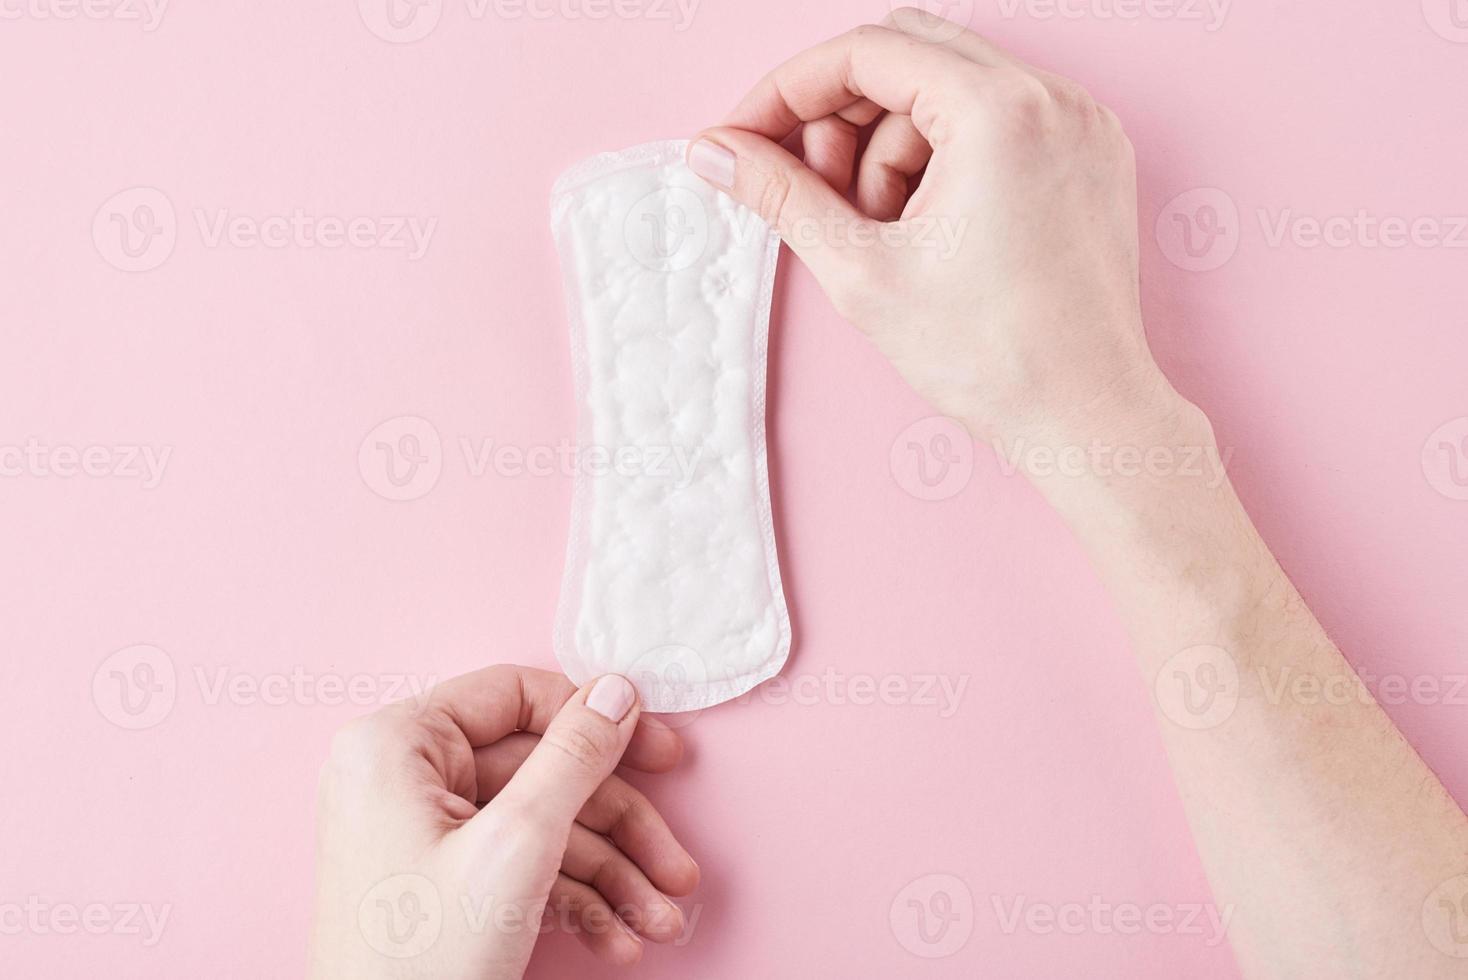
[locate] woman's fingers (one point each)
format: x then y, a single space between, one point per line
593 860
895 154
489 703
828 146
918 23
575 906
639 831
811 216
580 748
892 69
614 809
654 747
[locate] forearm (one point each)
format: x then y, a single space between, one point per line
1316 821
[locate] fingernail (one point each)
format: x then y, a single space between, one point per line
611 697
677 911
712 162
627 929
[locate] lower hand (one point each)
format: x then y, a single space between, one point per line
449 826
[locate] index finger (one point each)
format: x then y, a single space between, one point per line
892 69
490 703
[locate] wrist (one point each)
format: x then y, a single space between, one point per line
1135 437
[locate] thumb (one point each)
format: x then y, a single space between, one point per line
580 748
816 222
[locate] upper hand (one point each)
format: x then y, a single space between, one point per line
991 253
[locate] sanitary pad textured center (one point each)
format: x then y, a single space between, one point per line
671 573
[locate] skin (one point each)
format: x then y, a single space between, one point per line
1335 847
1334 844
496 794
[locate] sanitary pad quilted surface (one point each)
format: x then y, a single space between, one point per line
671 573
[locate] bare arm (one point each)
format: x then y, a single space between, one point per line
1338 849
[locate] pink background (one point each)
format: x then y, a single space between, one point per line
264 551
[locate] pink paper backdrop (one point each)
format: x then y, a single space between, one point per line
842 831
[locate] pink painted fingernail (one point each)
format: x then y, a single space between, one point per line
611 697
712 162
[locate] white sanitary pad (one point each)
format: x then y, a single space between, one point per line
671 574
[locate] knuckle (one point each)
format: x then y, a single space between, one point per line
1024 94
612 870
774 194
628 808
1067 91
584 748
